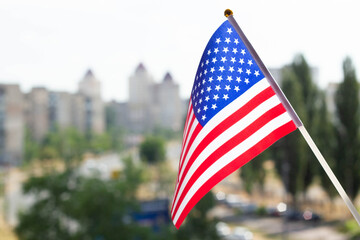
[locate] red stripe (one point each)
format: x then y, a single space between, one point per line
187 135
187 120
193 136
219 129
236 164
230 144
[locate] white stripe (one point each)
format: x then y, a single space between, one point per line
231 155
225 113
227 135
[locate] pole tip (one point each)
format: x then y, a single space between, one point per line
228 13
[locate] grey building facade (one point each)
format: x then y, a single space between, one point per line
11 124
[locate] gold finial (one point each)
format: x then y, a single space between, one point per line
228 12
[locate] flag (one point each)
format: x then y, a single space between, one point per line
233 115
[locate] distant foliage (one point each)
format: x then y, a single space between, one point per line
348 142
70 207
152 150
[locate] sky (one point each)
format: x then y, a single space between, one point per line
53 43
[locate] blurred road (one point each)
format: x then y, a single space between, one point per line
294 230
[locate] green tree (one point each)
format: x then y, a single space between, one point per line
70 207
326 142
31 148
253 172
197 225
68 144
152 150
290 152
347 106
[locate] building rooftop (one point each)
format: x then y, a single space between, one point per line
168 77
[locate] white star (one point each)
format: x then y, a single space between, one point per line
208 89
205 71
212 70
202 64
207 98
200 101
207 62
241 61
200 74
236 41
223 59
203 117
205 108
248 71
214 60
238 79
221 69
233 60
227 87
219 78
202 91
229 30
216 50
210 79
217 88
250 62
225 50
257 73
227 40
246 80
237 88
235 50
229 78
243 51
209 51
231 69
216 97
218 40
225 96
214 106
198 110
240 70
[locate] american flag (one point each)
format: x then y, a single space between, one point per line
233 115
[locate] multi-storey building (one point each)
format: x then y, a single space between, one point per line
11 124
151 105
140 101
46 110
168 110
92 109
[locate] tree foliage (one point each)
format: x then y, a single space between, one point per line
197 225
152 150
290 152
348 143
70 207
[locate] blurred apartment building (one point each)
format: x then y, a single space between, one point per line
41 110
83 110
151 105
11 124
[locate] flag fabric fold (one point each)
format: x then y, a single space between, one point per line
233 115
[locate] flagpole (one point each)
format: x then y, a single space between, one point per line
265 71
229 14
330 173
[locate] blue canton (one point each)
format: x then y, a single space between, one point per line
226 71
